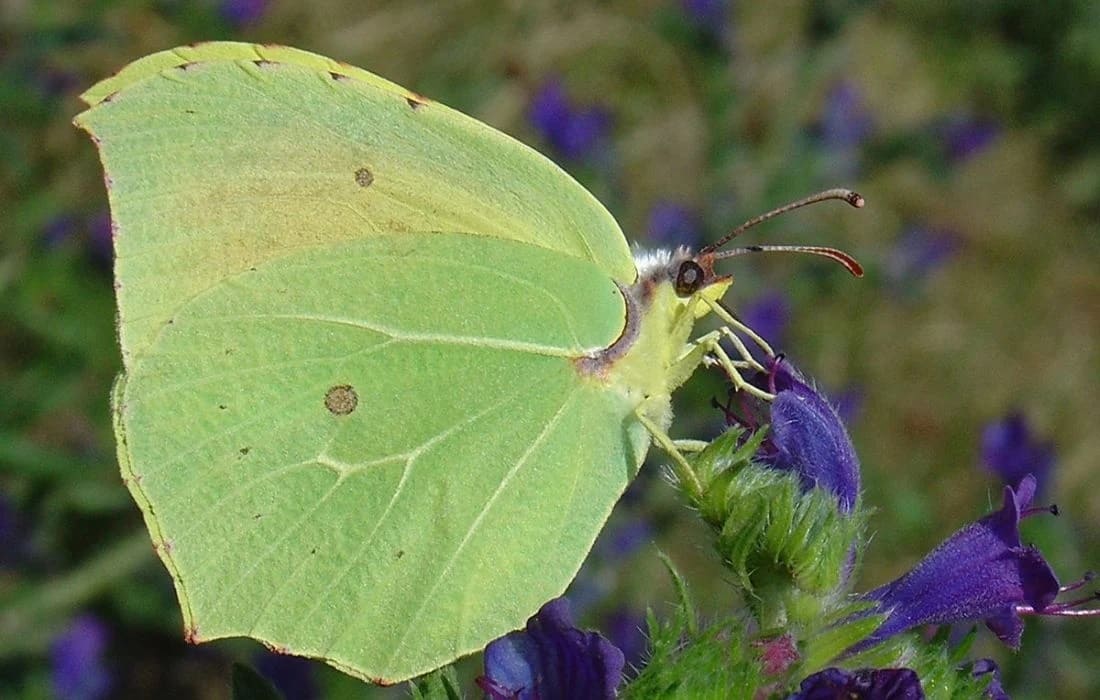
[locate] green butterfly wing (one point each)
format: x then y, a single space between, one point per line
350 410
383 475
220 155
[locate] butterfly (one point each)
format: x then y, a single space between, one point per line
386 370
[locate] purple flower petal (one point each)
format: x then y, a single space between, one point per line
982 572
76 657
1009 450
807 437
864 684
551 659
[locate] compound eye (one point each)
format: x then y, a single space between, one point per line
689 278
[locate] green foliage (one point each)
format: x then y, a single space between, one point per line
685 659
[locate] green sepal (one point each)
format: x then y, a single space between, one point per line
787 548
822 649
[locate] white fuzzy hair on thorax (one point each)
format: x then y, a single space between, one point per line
656 262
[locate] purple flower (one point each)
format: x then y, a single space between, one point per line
291 675
574 133
551 659
965 136
919 251
671 225
982 572
76 657
241 13
1009 450
864 684
807 436
768 314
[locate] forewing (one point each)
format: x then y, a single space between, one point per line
379 453
221 155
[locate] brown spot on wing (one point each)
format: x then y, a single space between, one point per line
341 400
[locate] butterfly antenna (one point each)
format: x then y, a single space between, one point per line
839 256
853 198
849 263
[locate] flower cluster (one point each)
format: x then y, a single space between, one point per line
983 573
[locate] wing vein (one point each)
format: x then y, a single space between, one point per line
476 524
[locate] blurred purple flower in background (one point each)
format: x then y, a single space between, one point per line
965 136
1011 451
671 225
918 252
291 675
241 13
55 82
864 684
58 230
575 134
551 659
708 16
76 658
769 314
844 126
626 629
92 233
982 572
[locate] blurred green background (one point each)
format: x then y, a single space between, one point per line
968 126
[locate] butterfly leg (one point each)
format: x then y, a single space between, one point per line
707 349
685 474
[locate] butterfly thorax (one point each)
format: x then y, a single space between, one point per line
660 316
